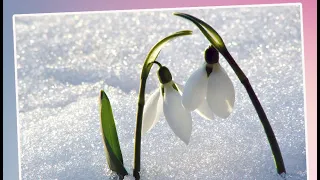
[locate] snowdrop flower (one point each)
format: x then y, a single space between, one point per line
210 83
167 100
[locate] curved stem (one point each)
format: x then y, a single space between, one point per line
137 145
150 60
262 115
156 62
215 39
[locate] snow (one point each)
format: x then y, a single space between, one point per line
64 60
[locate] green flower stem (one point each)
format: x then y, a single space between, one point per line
262 115
150 60
215 39
137 144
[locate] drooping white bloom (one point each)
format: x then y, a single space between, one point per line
167 100
203 109
216 89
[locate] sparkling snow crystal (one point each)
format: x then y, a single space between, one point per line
64 60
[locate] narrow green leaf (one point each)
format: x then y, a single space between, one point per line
155 50
212 35
110 137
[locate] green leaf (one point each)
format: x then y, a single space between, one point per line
110 137
212 35
155 50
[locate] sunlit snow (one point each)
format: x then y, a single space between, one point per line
64 60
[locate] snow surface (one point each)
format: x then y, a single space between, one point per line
63 61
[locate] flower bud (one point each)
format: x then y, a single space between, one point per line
164 75
211 55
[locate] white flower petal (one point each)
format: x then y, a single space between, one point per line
203 110
151 111
195 89
220 94
178 118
